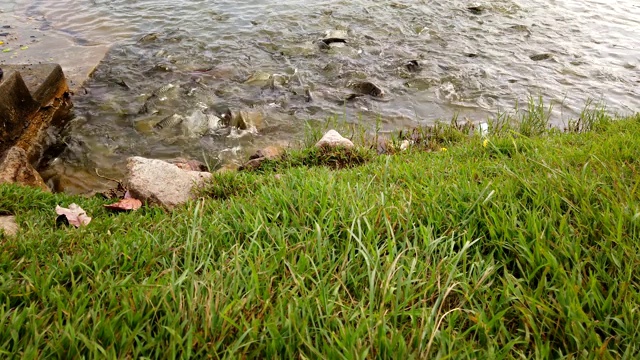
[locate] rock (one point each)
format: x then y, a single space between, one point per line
367 88
333 139
158 182
16 168
540 57
383 145
269 153
404 145
8 225
227 168
189 165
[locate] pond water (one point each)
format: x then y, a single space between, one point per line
196 60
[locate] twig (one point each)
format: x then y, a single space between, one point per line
119 182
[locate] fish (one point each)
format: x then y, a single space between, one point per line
169 121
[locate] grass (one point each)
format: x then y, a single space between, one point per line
521 246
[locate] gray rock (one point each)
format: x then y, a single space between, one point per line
333 139
8 225
158 182
16 168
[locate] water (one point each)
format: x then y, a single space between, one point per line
206 50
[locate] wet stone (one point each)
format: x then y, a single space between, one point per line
540 57
367 88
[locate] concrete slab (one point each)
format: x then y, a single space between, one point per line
44 81
28 43
34 104
16 108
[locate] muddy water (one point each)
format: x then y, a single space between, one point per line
197 59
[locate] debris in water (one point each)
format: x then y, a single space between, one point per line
540 57
413 66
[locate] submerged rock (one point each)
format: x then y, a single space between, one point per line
367 88
16 168
160 183
540 57
333 139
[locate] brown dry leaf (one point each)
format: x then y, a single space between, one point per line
74 214
125 204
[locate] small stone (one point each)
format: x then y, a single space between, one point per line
333 139
9 225
404 145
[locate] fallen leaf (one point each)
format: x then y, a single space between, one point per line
74 215
125 205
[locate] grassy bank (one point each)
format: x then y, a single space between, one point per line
515 247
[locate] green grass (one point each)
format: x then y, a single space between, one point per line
527 247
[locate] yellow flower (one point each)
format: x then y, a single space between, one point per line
443 149
485 142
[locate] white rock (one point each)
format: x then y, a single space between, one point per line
333 139
404 145
8 225
161 183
